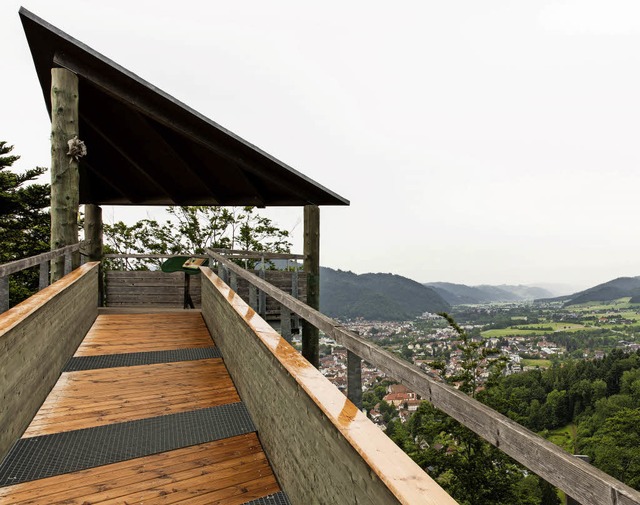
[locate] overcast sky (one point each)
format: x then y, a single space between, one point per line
479 142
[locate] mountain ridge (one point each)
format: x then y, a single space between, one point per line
461 294
376 296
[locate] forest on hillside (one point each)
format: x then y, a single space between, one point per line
588 407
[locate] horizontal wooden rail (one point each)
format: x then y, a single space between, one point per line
236 254
583 482
18 265
154 256
40 259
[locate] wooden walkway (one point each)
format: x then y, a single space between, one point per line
229 470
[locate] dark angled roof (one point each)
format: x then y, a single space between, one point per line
147 148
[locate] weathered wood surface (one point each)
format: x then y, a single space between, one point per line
578 479
310 335
231 471
97 397
125 333
238 254
65 179
16 266
154 288
93 232
37 337
323 449
142 287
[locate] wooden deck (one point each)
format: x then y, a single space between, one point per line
231 470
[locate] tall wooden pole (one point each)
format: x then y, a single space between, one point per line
310 335
93 239
65 191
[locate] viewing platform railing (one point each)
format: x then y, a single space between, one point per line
43 260
578 479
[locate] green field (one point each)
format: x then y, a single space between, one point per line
510 332
542 363
620 303
517 330
564 437
555 326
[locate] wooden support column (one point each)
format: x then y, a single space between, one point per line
65 190
93 231
310 334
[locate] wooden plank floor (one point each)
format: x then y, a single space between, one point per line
233 470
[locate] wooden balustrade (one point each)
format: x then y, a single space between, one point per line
584 483
43 260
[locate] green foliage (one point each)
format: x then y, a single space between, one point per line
615 446
193 230
376 297
24 221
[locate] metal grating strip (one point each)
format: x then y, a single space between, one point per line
140 358
274 499
48 455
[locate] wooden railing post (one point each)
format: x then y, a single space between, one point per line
310 334
285 323
68 263
4 293
44 275
354 378
233 281
253 297
295 325
262 296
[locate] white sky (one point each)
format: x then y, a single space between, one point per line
479 142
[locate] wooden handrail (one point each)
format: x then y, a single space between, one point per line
237 254
583 482
16 266
153 256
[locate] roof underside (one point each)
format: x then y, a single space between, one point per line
144 147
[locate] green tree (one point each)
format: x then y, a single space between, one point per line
193 230
24 221
615 446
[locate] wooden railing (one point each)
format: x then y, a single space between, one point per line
153 287
43 260
579 480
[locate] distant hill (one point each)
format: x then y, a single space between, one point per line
459 294
375 296
621 287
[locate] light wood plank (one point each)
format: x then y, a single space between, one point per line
97 397
226 469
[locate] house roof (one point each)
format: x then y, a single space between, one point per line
147 148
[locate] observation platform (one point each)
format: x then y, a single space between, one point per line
145 411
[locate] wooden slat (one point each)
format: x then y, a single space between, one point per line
123 333
97 397
228 471
232 470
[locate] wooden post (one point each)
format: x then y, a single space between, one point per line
44 275
4 293
93 231
262 296
94 242
310 334
354 378
285 323
253 297
65 190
